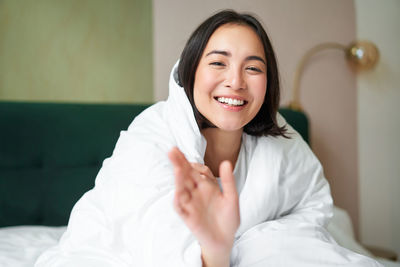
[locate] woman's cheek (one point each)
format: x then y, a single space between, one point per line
209 81
260 86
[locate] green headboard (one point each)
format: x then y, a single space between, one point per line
50 154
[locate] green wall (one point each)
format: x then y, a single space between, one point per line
76 50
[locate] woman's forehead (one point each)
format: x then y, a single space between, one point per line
235 39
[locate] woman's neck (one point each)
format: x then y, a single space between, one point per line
221 145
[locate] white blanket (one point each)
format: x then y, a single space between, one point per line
128 219
20 246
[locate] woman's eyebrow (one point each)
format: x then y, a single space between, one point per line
228 54
256 58
220 52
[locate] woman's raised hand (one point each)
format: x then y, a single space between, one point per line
212 216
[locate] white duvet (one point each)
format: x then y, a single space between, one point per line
128 218
20 246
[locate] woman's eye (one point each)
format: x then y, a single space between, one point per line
254 69
217 63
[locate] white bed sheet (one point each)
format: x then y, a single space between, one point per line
341 229
20 246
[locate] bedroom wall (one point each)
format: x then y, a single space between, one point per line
328 89
76 51
379 126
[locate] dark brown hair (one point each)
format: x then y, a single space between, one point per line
264 123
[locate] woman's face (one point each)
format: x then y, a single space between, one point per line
230 80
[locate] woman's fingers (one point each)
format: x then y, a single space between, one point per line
184 177
178 206
184 197
227 180
178 159
184 203
204 171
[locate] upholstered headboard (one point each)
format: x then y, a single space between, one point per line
50 154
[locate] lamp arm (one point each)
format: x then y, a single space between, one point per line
295 102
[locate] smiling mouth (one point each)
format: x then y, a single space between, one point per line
231 101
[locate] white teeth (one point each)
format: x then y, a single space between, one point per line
230 101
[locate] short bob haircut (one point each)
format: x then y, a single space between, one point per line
264 123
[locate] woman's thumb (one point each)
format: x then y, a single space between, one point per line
227 179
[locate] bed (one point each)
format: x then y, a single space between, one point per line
50 154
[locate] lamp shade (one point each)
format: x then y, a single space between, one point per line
362 55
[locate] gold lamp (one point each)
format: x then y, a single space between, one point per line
361 55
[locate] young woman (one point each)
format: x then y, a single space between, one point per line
267 208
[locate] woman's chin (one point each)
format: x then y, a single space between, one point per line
229 127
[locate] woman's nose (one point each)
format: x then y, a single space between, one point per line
235 79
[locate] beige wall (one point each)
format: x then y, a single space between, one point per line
76 50
379 126
328 86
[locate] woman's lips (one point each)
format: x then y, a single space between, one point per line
231 103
